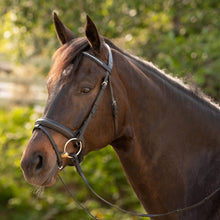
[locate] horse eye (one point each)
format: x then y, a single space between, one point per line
85 90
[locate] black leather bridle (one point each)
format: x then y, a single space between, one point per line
77 138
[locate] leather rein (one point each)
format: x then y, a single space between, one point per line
78 142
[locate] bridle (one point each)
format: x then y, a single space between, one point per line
77 139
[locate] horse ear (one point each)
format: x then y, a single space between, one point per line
64 34
92 35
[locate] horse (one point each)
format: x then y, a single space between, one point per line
165 136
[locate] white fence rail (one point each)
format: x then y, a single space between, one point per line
22 91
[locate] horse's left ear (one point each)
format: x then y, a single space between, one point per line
93 35
64 34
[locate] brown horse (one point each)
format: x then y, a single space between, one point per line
168 138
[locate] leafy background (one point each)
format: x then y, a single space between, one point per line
180 36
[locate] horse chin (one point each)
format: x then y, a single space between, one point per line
47 179
50 181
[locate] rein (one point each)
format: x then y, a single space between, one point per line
77 140
176 211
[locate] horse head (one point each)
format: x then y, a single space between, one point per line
74 85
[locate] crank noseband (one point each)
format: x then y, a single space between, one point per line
43 123
77 138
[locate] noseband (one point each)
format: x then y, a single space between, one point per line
77 138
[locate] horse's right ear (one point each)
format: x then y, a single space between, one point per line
64 34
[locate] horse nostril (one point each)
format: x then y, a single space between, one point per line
33 165
39 162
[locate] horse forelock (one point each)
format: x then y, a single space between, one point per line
65 55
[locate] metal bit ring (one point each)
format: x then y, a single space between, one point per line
65 153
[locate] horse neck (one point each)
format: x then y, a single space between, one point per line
158 156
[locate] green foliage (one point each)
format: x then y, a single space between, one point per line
19 200
181 37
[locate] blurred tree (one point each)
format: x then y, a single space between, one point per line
181 37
